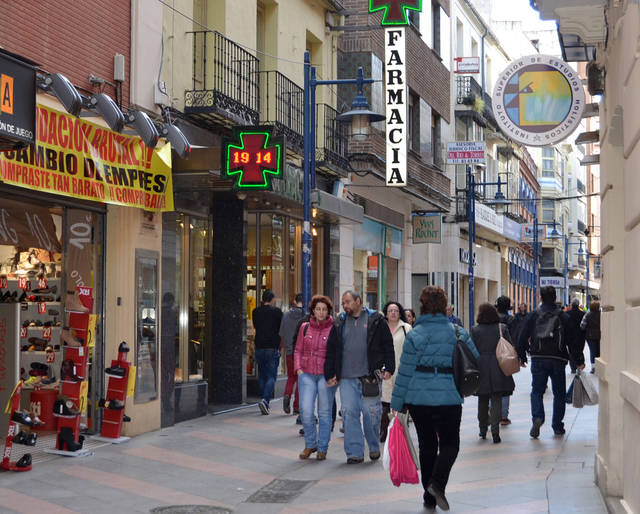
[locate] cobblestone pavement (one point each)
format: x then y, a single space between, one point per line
241 460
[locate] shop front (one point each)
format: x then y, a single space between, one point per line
77 247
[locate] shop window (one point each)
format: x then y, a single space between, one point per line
146 308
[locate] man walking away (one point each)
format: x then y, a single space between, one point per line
544 336
362 350
266 322
503 305
287 338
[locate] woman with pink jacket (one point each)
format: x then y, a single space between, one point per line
308 362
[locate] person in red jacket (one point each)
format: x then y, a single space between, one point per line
308 362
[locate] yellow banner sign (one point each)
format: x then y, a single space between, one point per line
74 157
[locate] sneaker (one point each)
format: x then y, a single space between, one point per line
286 404
505 421
264 408
535 428
355 460
301 431
374 455
559 431
298 420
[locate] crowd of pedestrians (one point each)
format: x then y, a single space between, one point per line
390 361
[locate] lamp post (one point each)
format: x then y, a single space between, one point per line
500 202
535 254
359 115
567 243
583 252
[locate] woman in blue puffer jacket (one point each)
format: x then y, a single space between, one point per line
426 387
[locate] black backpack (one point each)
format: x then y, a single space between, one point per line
466 373
548 333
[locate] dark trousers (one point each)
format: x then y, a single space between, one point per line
594 349
484 417
292 381
384 421
438 431
541 370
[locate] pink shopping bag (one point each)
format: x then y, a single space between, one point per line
401 466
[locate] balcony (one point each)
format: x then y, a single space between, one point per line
283 107
580 187
469 92
226 83
331 140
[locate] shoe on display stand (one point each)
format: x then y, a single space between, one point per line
116 371
68 340
74 304
24 462
20 437
16 416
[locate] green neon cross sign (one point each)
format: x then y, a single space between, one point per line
395 11
253 159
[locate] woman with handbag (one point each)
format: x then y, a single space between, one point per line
394 313
494 384
425 385
308 362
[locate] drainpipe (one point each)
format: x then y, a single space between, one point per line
486 31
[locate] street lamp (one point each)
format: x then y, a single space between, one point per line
359 115
500 202
584 252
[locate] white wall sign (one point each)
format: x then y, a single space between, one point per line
527 233
465 152
488 218
396 100
538 100
557 282
467 65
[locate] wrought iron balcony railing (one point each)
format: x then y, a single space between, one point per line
469 92
331 137
283 106
226 82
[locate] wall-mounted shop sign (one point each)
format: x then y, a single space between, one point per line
291 184
465 152
557 282
527 233
17 102
427 229
77 158
488 218
395 19
511 229
253 157
464 257
396 110
538 100
467 65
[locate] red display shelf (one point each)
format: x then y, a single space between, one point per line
11 431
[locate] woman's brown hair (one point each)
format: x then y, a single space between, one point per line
320 299
433 300
595 306
487 314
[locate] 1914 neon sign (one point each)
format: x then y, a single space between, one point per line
253 158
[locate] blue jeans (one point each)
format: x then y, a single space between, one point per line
541 371
312 387
354 404
268 360
505 406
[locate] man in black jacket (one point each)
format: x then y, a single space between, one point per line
364 350
547 338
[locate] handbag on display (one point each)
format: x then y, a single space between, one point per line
466 373
507 356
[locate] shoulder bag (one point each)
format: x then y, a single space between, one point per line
466 373
507 356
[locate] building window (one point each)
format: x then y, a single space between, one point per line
414 122
435 26
548 258
548 162
435 138
548 211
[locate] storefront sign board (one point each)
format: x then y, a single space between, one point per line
427 229
467 65
465 152
17 102
538 100
464 257
557 282
488 218
76 158
511 229
527 233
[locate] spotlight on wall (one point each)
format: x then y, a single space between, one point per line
63 90
108 109
177 139
143 126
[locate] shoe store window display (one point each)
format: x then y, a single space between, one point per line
315 386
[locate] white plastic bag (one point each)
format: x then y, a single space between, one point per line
385 451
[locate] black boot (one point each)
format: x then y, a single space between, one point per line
66 440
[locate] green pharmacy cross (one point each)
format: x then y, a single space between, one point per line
395 11
253 158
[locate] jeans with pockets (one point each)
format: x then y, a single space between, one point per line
312 388
541 370
268 360
355 405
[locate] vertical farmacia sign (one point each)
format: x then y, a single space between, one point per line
395 20
538 100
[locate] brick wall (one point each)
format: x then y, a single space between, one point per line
72 38
428 77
